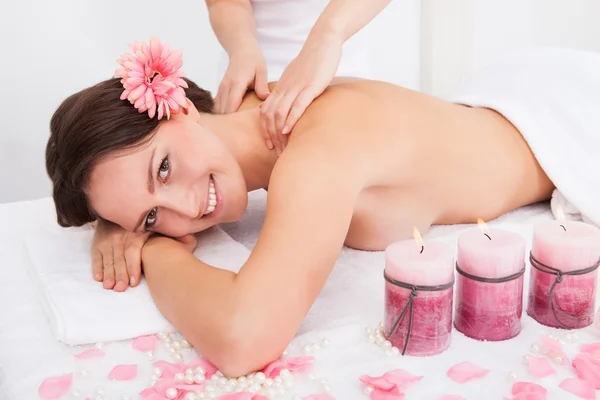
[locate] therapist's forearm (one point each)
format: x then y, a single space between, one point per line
344 18
233 24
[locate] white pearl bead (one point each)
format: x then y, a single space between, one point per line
287 384
191 396
242 380
271 392
325 388
209 388
98 397
201 395
99 345
260 377
212 395
557 359
368 389
561 341
158 371
154 377
179 376
551 335
255 387
177 345
525 360
75 393
575 335
185 344
168 339
171 393
395 351
371 338
387 344
171 350
84 373
228 388
126 397
513 376
312 376
250 381
380 325
569 337
268 382
297 397
535 348
285 373
285 353
307 349
219 374
368 331
324 342
99 391
199 378
389 353
150 355
278 379
316 347
189 379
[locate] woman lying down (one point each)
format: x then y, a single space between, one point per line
366 163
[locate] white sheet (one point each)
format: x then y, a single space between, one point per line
351 300
552 96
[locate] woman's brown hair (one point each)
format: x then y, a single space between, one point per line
87 126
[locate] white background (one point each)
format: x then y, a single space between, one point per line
51 49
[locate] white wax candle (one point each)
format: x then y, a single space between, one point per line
423 264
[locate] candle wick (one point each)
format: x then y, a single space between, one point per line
488 236
562 226
422 248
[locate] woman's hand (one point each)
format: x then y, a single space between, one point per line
305 78
246 70
116 256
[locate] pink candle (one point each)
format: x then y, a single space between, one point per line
490 310
568 246
430 267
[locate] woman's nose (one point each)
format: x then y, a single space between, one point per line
185 203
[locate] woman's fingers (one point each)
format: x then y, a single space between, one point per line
133 257
108 269
261 87
97 266
120 266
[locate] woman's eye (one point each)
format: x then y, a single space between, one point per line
163 170
151 218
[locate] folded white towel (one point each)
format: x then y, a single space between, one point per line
552 96
81 311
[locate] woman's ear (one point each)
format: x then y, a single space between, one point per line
190 112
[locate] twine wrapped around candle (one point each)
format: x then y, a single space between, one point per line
490 280
544 268
409 305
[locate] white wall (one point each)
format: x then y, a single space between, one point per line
51 49
460 35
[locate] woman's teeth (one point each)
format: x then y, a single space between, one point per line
212 198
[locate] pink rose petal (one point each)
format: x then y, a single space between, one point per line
578 387
401 378
529 388
144 343
319 397
587 369
539 367
55 387
273 369
209 369
378 382
299 364
393 394
451 397
554 349
91 353
590 348
465 372
242 396
528 396
123 372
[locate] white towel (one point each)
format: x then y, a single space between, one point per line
553 97
81 311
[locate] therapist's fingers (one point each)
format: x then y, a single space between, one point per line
300 105
221 92
234 97
97 268
283 110
267 114
121 275
261 87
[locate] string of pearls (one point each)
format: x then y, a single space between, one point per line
377 337
314 347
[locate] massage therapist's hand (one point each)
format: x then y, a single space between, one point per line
305 78
116 256
246 70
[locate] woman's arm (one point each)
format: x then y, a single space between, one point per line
233 24
241 323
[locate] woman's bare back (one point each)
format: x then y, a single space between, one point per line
429 161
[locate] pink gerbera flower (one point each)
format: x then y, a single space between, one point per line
152 79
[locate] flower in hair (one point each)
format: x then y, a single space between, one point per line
152 78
